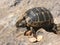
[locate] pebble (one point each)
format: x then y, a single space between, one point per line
32 39
39 38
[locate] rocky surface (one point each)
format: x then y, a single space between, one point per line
13 10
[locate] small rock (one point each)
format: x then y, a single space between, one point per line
40 34
39 37
40 31
32 39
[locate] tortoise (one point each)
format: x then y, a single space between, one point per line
36 18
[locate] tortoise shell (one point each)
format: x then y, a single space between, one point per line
36 16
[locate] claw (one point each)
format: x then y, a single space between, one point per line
28 33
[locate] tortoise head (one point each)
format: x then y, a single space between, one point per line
21 23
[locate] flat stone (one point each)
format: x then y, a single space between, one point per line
39 37
32 39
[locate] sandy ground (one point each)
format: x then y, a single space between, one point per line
13 10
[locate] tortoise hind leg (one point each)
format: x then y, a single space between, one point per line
54 28
50 27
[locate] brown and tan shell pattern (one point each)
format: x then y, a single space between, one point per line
38 15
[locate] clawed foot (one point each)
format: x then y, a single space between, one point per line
37 39
28 33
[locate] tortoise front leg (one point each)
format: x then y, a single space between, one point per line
33 31
28 32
